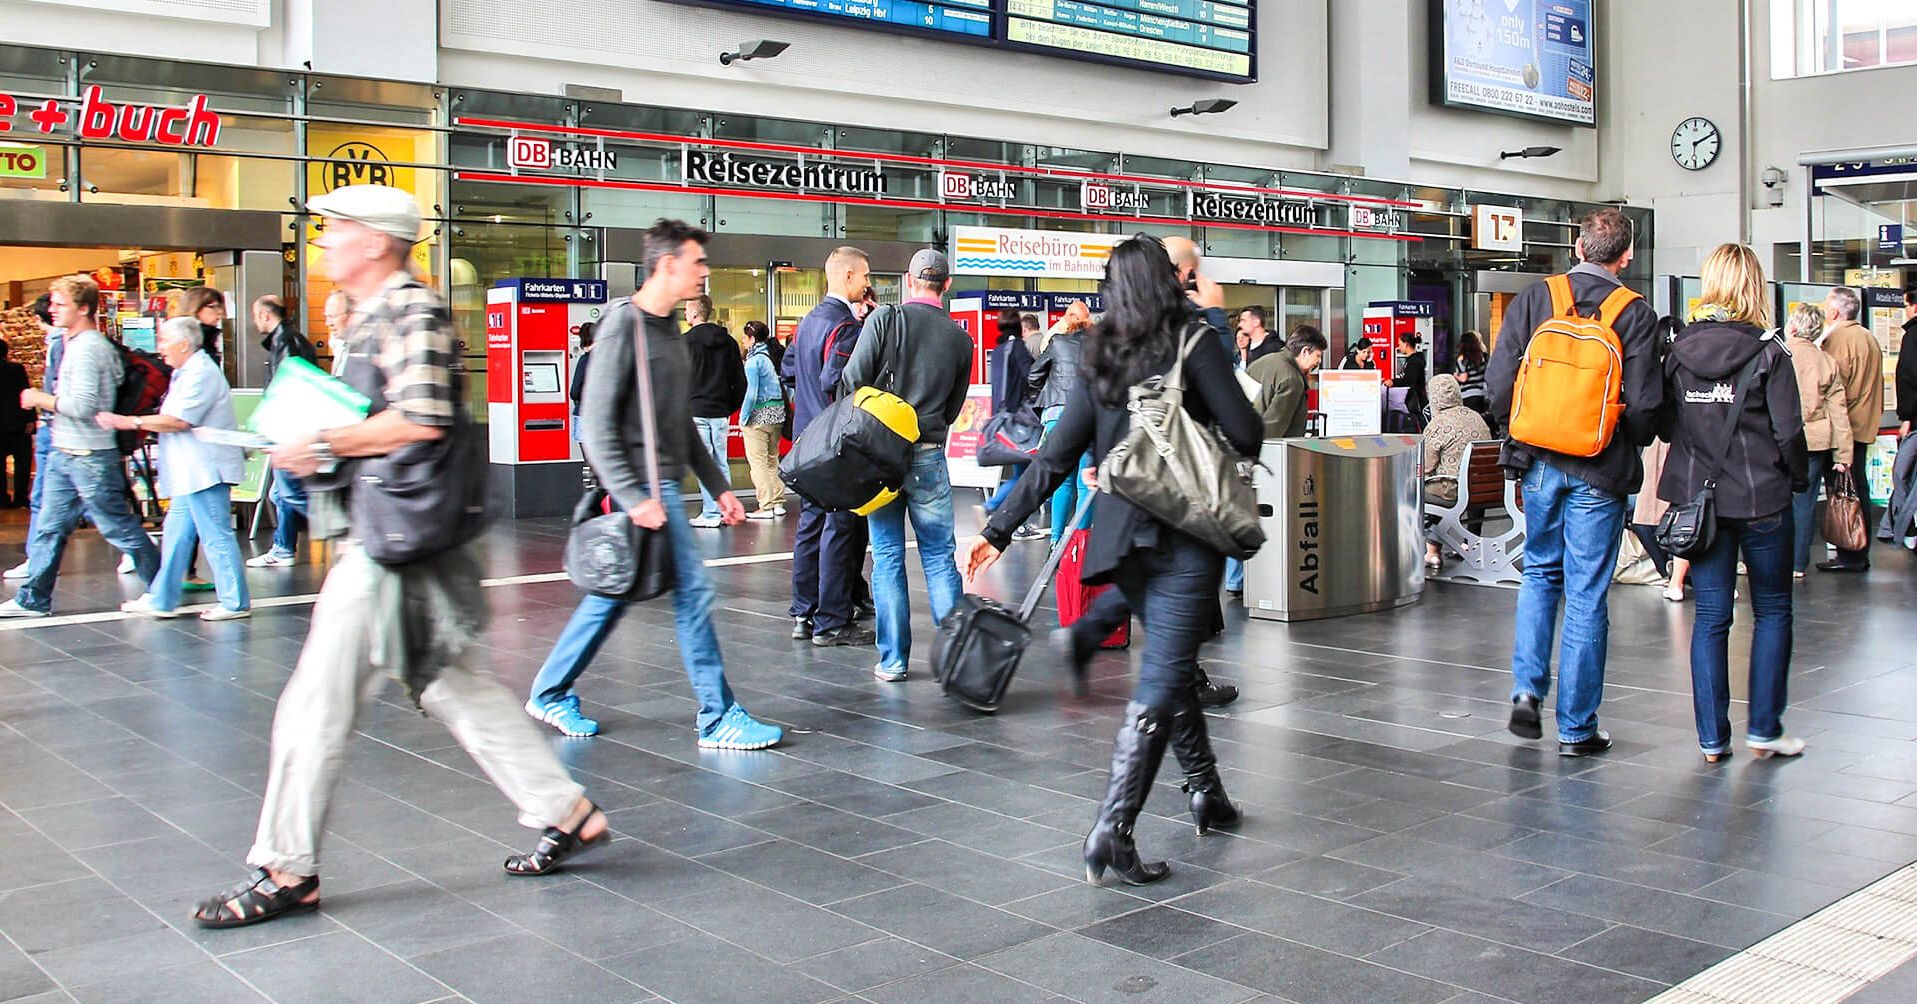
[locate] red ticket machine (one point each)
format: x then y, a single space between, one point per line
976 310
532 339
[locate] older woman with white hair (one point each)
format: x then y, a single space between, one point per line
195 474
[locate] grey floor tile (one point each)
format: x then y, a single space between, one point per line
941 921
414 918
778 927
827 829
705 970
683 830
1513 973
1658 910
586 919
1895 987
1457 909
965 872
981 830
810 875
82 825
1625 864
1654 956
1488 873
1321 923
71 914
874 964
336 968
19 977
1161 932
127 956
1307 975
960 985
1327 877
194 983
514 969
1076 905
1098 973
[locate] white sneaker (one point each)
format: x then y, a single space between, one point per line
707 522
1674 593
18 571
271 559
144 607
223 614
126 564
1781 746
762 514
12 608
778 510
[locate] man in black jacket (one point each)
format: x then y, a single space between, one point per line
278 336
928 358
16 432
281 340
1574 506
717 388
1904 470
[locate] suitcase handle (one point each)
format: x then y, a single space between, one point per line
1037 592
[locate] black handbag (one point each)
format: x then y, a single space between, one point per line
608 554
1010 438
1689 529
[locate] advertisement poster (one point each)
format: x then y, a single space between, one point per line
1521 57
1352 402
962 442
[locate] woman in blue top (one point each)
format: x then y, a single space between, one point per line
761 418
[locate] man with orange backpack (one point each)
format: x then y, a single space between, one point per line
1575 379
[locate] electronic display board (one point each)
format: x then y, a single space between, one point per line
1531 58
1204 38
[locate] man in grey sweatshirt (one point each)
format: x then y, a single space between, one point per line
84 472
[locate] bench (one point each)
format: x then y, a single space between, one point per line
1482 490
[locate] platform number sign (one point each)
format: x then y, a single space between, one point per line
1497 228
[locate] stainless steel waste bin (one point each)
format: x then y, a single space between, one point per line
1344 527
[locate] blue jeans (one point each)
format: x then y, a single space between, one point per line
712 434
1066 498
1006 483
289 509
204 517
692 600
1174 591
1571 537
928 500
1765 545
94 484
42 445
1804 511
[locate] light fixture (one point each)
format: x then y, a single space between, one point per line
1208 106
1531 151
760 48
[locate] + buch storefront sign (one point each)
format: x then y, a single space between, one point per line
192 124
752 169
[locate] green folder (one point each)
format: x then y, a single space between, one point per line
304 399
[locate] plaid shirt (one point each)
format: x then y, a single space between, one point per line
406 330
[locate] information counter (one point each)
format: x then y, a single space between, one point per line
1344 527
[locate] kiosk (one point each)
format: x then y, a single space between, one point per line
1344 528
532 337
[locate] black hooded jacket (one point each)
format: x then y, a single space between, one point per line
718 383
1767 461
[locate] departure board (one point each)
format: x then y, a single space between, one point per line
1204 38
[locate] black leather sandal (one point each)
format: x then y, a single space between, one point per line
556 845
257 899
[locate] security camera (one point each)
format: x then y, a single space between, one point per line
1774 180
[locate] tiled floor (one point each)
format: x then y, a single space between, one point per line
1400 846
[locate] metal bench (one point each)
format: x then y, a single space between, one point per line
1488 560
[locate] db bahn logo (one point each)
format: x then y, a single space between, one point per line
957 185
356 163
1098 198
531 153
526 152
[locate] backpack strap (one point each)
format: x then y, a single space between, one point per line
1563 302
1615 304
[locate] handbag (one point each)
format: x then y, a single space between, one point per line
1843 523
1688 529
609 555
1010 438
1180 471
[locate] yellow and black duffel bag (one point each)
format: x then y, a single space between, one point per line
855 454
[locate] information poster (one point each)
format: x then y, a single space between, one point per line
962 442
1884 313
1352 402
1519 57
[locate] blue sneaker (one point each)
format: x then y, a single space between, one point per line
740 731
564 715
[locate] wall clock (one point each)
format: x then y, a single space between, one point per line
1695 143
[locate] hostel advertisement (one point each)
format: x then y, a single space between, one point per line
1523 57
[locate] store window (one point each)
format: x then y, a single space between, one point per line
33 171
1832 36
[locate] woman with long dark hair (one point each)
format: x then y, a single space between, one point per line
1169 578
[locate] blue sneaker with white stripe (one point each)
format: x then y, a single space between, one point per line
737 730
564 715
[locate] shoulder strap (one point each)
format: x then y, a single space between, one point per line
648 419
1194 330
1615 304
1034 594
1563 302
1745 378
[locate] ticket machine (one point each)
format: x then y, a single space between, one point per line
532 338
976 310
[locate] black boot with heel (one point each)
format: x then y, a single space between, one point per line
1191 743
1135 758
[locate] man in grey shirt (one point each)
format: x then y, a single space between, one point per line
84 471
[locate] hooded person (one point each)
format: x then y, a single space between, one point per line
1454 427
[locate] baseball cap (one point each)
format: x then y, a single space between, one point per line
930 263
388 210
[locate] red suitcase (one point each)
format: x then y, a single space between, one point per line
1074 597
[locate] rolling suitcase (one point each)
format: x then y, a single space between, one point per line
981 641
1075 597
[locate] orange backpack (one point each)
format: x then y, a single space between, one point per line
1570 389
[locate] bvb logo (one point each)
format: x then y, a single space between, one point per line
357 163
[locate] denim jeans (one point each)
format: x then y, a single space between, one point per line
94 484
1174 591
712 434
692 599
1007 482
1571 537
928 500
289 511
1765 545
1070 491
1804 511
828 562
42 445
204 517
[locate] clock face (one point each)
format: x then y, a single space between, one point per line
1695 143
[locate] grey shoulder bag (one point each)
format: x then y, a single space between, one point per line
1180 471
607 554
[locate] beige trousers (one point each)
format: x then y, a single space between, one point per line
321 702
762 454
